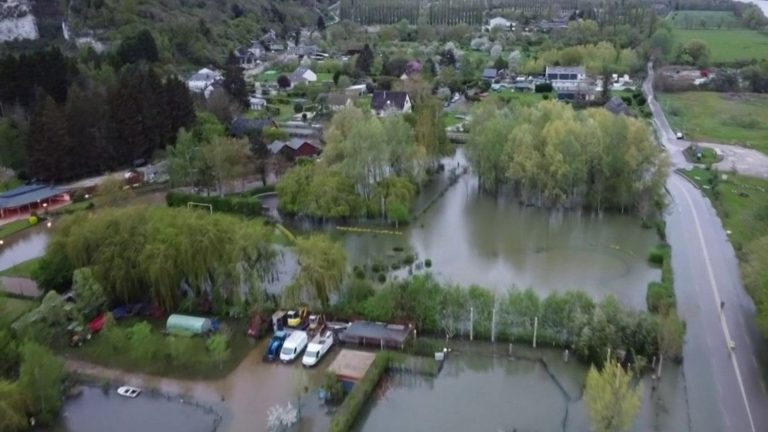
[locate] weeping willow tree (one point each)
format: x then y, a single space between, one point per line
164 254
323 264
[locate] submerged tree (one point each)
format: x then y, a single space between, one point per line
323 264
611 398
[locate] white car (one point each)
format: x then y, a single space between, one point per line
293 346
128 391
679 135
317 348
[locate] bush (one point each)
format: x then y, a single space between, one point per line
427 263
382 278
660 297
376 267
543 88
248 206
656 256
409 259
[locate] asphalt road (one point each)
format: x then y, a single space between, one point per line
726 388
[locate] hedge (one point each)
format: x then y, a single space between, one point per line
246 206
660 297
356 399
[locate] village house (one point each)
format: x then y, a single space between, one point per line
302 75
390 102
570 83
500 22
356 90
203 81
257 103
302 50
294 148
490 74
617 106
337 101
250 57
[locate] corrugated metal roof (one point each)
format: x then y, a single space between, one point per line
28 194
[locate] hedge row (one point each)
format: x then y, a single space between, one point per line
356 399
246 206
660 296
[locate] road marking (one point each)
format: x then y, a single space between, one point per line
723 324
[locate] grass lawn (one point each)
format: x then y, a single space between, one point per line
738 201
13 227
324 77
23 269
719 117
10 184
703 19
98 351
514 98
12 308
708 156
728 45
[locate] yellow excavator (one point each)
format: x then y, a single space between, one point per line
298 319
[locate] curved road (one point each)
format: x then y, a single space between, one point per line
726 389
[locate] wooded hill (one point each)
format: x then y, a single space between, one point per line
190 31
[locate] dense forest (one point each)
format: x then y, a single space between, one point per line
62 120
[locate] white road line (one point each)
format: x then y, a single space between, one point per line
723 324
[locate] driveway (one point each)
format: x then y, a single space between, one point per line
726 388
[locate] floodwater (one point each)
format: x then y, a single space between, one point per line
483 388
475 238
94 410
243 398
25 245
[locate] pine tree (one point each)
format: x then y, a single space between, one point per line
234 83
86 126
49 156
321 23
365 60
178 106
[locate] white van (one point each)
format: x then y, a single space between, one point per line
293 346
317 348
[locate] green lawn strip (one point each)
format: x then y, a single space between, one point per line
719 117
739 201
727 45
14 227
23 269
12 308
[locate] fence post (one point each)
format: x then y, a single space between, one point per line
471 323
493 321
535 329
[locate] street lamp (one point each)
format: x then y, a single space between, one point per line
49 224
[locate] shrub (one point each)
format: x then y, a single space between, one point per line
660 297
382 278
656 256
543 88
376 267
409 259
359 273
427 263
398 249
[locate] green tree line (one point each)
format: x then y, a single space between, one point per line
555 156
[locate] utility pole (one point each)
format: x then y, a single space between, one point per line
535 329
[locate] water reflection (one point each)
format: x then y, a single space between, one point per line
26 245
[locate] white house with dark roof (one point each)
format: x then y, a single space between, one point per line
203 79
390 102
570 82
302 75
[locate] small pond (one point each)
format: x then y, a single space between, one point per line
23 246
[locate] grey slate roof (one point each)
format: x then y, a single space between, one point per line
617 106
28 194
490 73
383 99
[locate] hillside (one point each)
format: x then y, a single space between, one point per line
188 32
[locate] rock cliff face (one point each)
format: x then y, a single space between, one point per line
17 21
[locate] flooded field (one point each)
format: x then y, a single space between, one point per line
483 388
27 244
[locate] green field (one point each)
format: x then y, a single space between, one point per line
728 45
703 19
24 269
719 117
13 227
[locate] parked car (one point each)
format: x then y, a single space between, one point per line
679 135
294 346
275 345
317 348
128 391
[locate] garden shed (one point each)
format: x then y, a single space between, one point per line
187 324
